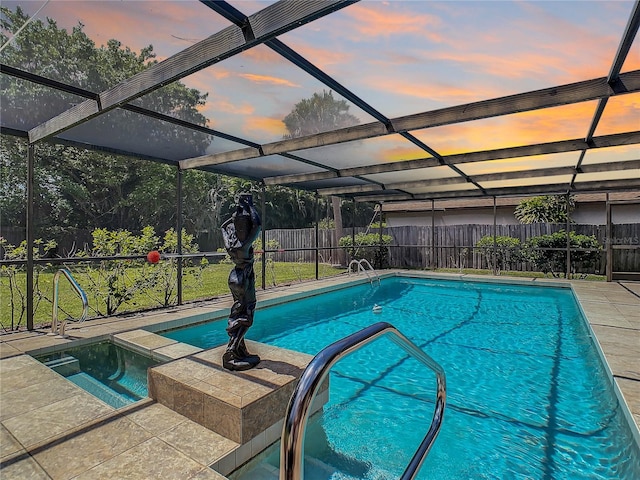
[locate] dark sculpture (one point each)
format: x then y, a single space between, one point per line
239 232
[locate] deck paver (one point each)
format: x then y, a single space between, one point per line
68 457
153 459
198 442
156 418
55 418
22 467
9 446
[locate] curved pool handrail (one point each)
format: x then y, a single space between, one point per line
83 296
295 422
361 268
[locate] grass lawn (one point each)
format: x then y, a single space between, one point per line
138 288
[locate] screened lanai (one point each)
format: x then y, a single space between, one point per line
442 110
446 99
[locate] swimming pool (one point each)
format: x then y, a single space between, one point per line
528 396
115 375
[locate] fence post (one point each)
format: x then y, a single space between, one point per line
434 259
353 228
30 236
608 242
317 208
495 240
380 239
179 231
568 274
264 236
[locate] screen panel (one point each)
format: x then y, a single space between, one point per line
268 166
567 159
372 151
612 154
251 94
132 132
525 182
24 104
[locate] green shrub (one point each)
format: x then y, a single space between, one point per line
15 302
114 283
369 247
507 252
554 260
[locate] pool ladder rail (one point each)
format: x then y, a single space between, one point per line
295 421
365 267
59 329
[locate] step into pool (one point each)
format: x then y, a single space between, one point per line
114 374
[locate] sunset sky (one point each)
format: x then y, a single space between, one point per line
402 57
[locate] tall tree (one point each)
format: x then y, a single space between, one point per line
321 113
545 209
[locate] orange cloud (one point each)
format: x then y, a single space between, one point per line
271 126
322 57
622 114
267 79
224 105
443 93
632 61
392 148
374 19
263 55
169 26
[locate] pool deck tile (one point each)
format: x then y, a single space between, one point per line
74 455
198 442
145 340
149 460
52 429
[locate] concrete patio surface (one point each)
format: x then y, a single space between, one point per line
52 429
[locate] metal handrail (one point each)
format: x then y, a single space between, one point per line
295 422
79 291
361 264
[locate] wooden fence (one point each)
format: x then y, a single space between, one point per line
413 247
423 247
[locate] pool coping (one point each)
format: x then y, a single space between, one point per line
598 302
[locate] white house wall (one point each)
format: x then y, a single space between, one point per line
585 214
476 216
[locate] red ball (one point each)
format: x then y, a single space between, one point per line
153 256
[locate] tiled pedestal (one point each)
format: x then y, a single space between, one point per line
236 405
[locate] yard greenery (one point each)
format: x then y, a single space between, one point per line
545 209
507 252
548 253
13 291
369 247
112 282
126 285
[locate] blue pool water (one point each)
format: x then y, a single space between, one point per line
113 374
527 395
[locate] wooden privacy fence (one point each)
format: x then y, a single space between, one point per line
451 246
422 247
